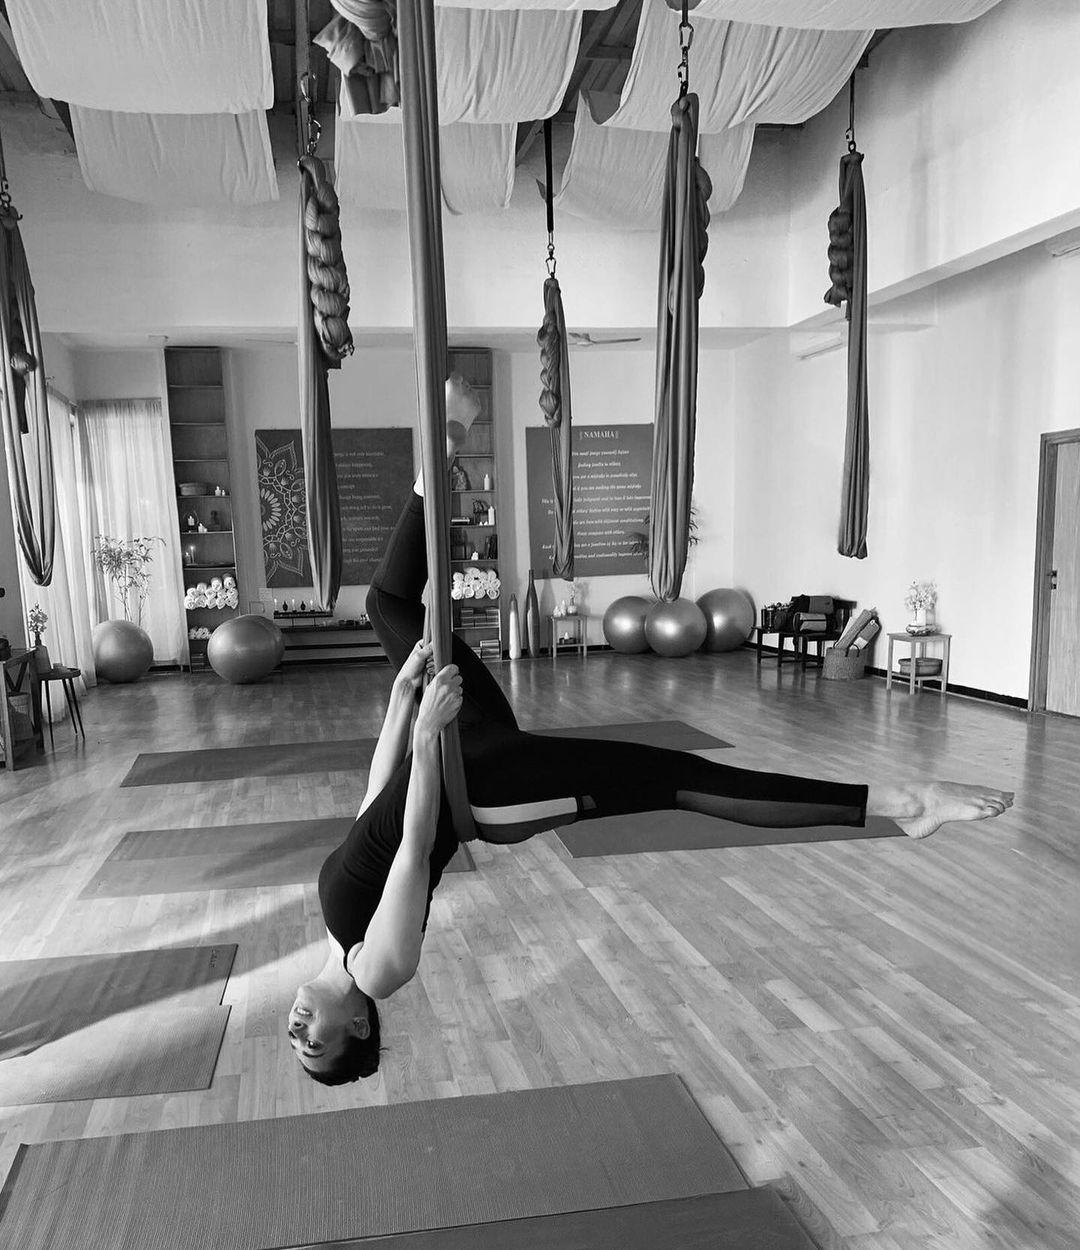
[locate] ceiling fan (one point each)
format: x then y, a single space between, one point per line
582 338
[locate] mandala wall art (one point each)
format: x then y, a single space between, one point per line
279 461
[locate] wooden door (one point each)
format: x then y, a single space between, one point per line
1063 652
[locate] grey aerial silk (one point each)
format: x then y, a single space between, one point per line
683 243
855 493
555 404
423 203
24 404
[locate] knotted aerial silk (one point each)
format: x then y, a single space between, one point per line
847 229
24 405
556 407
683 243
324 339
420 117
362 43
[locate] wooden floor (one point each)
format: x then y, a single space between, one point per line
894 1025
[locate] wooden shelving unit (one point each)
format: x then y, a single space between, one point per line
200 452
478 621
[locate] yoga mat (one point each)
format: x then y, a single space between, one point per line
675 735
151 1050
748 1219
691 831
222 857
300 1180
162 768
106 1026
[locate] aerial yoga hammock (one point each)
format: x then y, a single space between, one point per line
555 397
847 271
683 242
24 404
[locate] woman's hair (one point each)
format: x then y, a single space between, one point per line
360 1056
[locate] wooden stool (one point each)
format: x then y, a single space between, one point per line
66 677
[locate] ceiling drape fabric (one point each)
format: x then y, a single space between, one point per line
24 403
172 56
855 491
616 175
477 164
683 242
743 72
420 109
494 66
845 14
176 159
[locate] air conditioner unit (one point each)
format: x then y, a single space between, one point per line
1065 244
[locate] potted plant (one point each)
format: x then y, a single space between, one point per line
122 648
920 599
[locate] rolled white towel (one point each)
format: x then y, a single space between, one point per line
457 592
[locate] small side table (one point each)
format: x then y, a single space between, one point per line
918 644
569 633
66 677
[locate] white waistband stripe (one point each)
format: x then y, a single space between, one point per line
519 813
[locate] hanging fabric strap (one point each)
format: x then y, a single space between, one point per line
420 116
855 492
555 396
24 403
683 242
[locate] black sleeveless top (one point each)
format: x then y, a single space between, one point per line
352 877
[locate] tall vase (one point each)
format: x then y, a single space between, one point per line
514 627
532 618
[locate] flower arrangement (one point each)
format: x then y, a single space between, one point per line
37 618
126 563
920 595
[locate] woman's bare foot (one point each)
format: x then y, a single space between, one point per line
940 802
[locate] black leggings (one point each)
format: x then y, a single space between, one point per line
521 783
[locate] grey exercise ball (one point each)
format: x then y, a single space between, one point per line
675 628
122 651
624 624
245 649
729 618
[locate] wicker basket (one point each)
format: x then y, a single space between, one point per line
839 666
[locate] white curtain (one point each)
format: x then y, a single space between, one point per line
128 492
66 599
176 159
845 14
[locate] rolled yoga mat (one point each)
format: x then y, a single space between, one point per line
302 1180
109 1026
223 857
162 768
747 1219
691 831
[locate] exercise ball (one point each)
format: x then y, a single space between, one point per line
675 628
245 649
624 625
122 651
729 618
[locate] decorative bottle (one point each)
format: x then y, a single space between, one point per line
514 627
532 618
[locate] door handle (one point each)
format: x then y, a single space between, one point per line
1053 579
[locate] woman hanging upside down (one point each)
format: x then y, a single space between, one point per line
376 888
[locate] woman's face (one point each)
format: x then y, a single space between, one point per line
319 1024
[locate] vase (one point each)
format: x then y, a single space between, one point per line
514 628
532 619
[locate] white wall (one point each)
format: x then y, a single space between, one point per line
966 131
956 412
128 374
12 618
